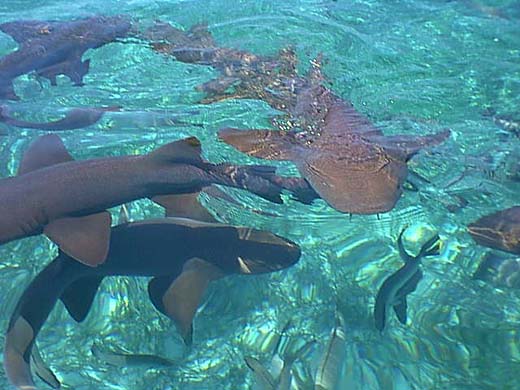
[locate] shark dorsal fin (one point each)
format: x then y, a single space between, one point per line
179 297
185 206
185 150
85 239
79 295
45 151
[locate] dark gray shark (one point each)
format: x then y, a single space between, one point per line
182 255
76 118
395 289
344 157
52 48
52 191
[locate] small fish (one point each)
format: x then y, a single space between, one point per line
500 271
395 289
181 255
332 360
121 359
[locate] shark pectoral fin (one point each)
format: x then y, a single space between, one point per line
410 145
79 295
45 151
42 371
400 310
184 205
18 344
180 299
186 150
268 144
86 239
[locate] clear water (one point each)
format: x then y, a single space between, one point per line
412 66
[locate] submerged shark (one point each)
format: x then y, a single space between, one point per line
500 230
67 199
52 48
344 157
395 289
77 118
182 255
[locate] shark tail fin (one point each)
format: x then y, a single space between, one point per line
78 296
268 144
186 150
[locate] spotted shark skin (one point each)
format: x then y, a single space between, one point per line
349 162
181 255
66 199
52 48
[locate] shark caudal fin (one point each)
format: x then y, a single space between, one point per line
78 296
86 239
179 296
268 144
186 150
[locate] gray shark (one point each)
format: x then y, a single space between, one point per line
395 289
52 48
77 118
67 199
181 255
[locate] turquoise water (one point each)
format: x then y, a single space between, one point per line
412 67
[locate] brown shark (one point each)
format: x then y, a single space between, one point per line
76 118
52 190
52 48
500 230
344 157
181 255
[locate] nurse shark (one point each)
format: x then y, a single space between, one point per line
348 161
52 48
66 199
181 255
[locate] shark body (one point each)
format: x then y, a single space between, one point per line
181 255
52 48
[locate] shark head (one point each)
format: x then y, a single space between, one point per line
261 251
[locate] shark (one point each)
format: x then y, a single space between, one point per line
76 118
395 289
499 230
53 48
67 199
345 158
182 256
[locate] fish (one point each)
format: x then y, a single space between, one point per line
499 271
122 359
346 160
395 289
53 48
499 230
67 200
181 255
332 360
76 118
